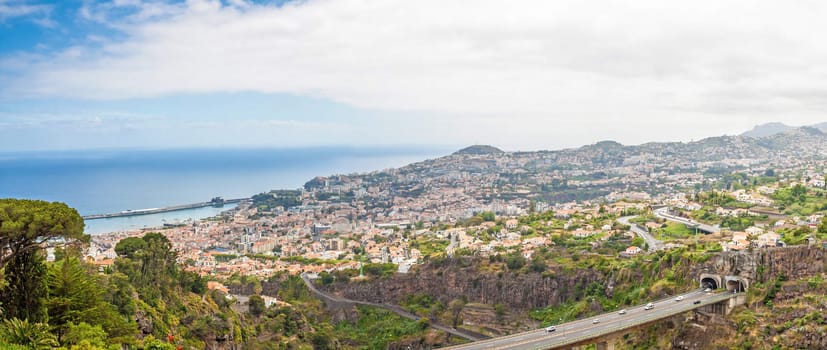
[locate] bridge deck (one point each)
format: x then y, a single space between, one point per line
664 214
583 330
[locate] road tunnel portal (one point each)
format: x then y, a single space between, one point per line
736 284
710 281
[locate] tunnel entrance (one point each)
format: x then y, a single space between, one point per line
736 286
710 283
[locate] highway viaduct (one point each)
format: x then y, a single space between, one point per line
725 292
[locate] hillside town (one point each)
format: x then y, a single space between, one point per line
725 193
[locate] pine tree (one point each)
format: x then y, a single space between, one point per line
23 295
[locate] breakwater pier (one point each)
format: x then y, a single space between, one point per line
215 202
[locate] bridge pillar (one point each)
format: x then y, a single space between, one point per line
605 345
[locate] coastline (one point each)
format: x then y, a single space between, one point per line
110 181
217 202
153 221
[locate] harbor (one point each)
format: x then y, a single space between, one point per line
215 202
154 221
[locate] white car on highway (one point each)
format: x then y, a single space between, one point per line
551 329
649 306
679 298
622 312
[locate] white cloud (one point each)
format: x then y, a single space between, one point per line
20 8
122 14
529 64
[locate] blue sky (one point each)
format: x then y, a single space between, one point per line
533 75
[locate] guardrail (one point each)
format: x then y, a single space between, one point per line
636 322
632 323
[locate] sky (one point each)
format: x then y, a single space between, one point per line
521 75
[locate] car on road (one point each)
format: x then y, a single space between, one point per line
708 290
696 302
649 306
551 329
595 321
622 312
679 298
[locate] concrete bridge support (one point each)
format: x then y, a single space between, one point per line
721 309
606 345
725 307
601 345
739 300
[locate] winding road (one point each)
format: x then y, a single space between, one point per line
663 213
654 244
396 309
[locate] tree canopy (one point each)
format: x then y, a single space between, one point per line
127 247
25 224
144 300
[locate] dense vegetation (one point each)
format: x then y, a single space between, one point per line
800 200
637 280
721 199
283 199
142 298
146 301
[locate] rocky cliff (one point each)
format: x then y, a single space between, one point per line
460 278
767 264
786 302
522 291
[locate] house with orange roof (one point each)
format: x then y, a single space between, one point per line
632 250
214 285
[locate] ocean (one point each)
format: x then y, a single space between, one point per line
108 181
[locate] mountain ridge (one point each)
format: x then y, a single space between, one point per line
774 128
772 141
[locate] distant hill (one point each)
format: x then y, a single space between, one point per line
479 150
770 129
588 172
767 129
812 130
608 144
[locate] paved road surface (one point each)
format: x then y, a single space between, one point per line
663 213
580 330
653 243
